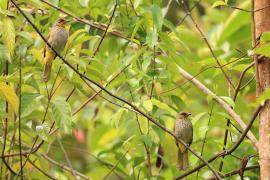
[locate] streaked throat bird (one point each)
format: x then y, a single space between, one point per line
183 130
57 38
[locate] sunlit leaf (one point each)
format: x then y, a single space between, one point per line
62 114
157 17
43 131
10 96
8 34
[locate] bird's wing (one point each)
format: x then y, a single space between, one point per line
44 50
191 134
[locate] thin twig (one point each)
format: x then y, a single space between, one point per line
40 170
20 107
205 135
67 158
116 164
94 95
237 171
238 87
246 10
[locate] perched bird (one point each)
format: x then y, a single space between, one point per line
58 37
183 130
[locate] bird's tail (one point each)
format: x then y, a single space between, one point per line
159 162
182 161
47 72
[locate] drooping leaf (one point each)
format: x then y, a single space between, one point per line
157 17
148 105
28 103
10 96
8 34
116 118
43 131
163 106
84 3
4 54
219 3
263 49
62 114
229 100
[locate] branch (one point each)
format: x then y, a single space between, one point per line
238 87
222 103
115 165
237 171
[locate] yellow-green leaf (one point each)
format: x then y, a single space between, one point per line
8 34
8 93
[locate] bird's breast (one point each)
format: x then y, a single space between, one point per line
58 38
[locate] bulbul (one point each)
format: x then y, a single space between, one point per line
58 37
183 130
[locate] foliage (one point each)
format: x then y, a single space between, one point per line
106 136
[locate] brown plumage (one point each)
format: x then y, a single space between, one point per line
183 130
58 37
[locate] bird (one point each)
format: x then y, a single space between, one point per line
183 130
57 38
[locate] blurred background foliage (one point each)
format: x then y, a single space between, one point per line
103 135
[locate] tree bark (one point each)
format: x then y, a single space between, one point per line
263 69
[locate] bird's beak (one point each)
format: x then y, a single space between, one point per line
189 114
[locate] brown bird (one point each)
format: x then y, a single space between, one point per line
58 37
183 130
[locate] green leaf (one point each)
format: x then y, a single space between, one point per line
117 117
219 3
143 124
196 118
26 35
62 115
263 49
151 38
84 3
8 34
163 106
229 100
263 97
43 131
146 139
157 17
265 36
3 4
180 104
10 96
234 23
4 54
28 103
148 105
